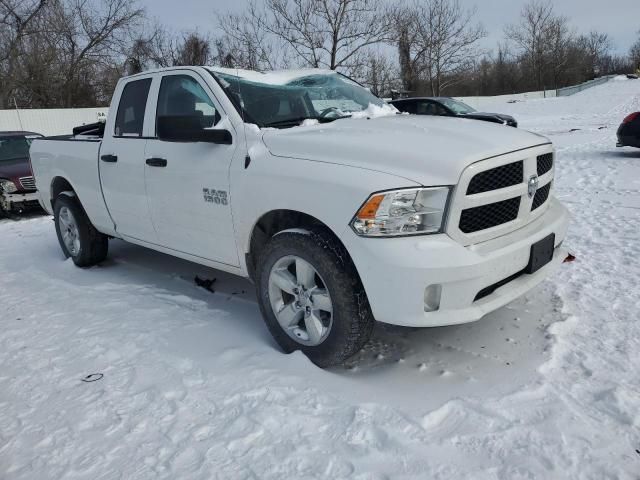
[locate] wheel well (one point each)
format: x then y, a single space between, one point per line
59 185
276 221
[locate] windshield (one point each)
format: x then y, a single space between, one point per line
457 106
14 148
322 97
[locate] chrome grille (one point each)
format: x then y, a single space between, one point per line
492 197
28 183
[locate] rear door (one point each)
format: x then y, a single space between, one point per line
122 164
188 182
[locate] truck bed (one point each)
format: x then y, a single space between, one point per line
76 159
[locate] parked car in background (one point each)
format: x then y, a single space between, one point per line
17 186
629 131
449 107
339 209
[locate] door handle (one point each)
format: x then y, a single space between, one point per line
157 162
109 158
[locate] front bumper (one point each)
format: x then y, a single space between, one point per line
396 272
18 201
628 141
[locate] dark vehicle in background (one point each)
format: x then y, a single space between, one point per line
17 186
449 107
629 131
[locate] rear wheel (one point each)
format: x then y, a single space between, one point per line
311 297
77 236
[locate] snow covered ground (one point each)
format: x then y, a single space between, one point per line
193 387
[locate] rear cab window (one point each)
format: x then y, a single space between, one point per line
131 109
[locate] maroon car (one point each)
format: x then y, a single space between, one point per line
17 187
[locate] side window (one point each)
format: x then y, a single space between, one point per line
440 110
406 106
425 108
183 96
133 101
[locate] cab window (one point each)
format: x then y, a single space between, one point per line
183 96
133 102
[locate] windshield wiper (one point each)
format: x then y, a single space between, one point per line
298 120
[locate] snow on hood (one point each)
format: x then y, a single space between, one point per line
427 150
373 111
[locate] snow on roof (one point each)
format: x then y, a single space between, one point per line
274 77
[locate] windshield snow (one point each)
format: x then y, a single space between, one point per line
279 100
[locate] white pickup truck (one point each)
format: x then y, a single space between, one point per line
341 210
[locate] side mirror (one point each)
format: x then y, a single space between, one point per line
190 129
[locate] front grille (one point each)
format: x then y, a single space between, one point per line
541 196
496 178
492 195
545 163
491 215
28 183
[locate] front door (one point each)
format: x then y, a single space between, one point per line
121 164
188 182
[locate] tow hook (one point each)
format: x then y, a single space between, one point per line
570 258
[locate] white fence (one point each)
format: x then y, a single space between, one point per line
54 121
481 102
565 92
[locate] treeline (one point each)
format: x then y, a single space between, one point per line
70 53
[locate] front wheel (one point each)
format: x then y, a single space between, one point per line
311 297
77 236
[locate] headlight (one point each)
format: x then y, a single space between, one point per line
415 211
8 186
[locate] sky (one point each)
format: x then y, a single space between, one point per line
618 18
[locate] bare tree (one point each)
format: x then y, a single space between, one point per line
596 47
16 19
412 50
88 34
437 42
634 54
451 38
531 36
247 42
379 74
70 53
332 34
559 41
194 49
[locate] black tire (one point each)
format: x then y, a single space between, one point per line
352 322
94 245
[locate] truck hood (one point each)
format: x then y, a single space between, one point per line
424 149
14 169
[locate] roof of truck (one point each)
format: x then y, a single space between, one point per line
274 77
